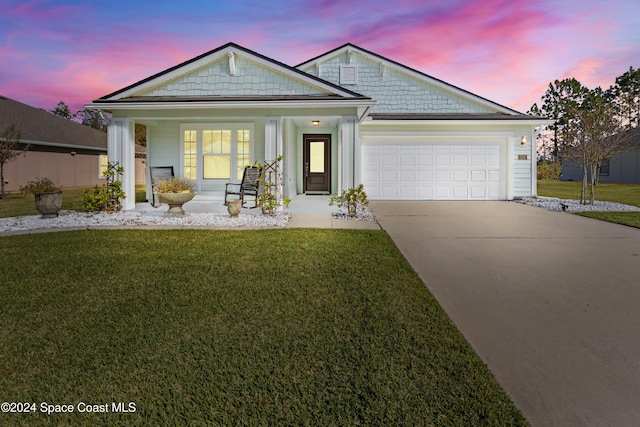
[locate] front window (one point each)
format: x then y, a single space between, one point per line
103 163
216 154
244 147
190 154
216 151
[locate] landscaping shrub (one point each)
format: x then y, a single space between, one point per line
548 170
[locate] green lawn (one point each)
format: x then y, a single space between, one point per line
628 194
267 327
16 204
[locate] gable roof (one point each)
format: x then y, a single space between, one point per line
349 48
317 86
39 127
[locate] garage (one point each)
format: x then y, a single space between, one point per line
415 169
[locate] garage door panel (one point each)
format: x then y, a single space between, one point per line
443 176
407 160
478 176
478 193
388 159
443 193
478 160
388 176
460 192
408 176
432 171
443 160
424 160
460 176
425 177
407 192
460 159
425 193
371 176
388 192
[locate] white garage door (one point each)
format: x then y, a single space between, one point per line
423 171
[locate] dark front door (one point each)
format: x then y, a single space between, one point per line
316 152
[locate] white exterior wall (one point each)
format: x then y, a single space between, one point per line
249 79
396 92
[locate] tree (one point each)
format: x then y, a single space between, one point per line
141 134
559 102
92 119
593 134
10 148
626 95
62 110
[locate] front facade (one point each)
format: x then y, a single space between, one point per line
341 119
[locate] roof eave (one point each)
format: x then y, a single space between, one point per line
236 105
532 121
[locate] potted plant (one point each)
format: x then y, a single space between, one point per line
48 196
174 192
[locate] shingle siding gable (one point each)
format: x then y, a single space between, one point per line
395 92
215 79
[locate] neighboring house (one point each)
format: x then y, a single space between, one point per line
70 154
343 118
622 167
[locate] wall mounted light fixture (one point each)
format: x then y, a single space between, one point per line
315 122
523 140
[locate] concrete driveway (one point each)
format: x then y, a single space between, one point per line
549 300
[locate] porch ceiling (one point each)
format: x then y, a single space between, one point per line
325 122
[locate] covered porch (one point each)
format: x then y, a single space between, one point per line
319 149
212 202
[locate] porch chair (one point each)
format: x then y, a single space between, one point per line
157 173
248 187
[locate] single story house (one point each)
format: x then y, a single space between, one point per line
68 153
343 118
622 167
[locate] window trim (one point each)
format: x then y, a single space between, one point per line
199 128
100 165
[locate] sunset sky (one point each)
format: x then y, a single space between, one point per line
504 50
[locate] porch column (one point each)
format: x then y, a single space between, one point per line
273 149
272 138
121 149
349 163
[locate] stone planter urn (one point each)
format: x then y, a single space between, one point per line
234 207
49 204
175 201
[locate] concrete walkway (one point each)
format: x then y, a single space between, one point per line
549 300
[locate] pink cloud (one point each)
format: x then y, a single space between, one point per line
502 50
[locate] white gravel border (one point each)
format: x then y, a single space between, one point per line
72 220
564 205
132 219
